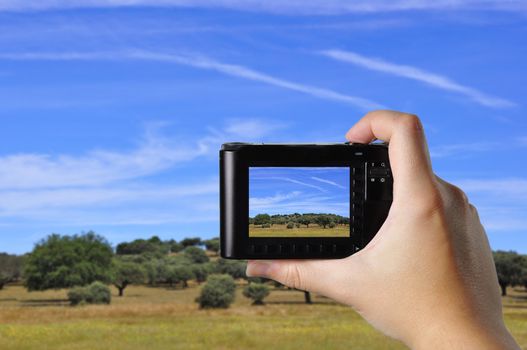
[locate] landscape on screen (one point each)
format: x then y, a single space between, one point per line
299 202
299 225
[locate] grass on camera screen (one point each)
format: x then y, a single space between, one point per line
299 201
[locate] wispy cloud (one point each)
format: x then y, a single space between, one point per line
308 7
301 183
504 188
418 74
328 182
462 149
112 187
264 202
201 62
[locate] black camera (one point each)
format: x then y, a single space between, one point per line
301 201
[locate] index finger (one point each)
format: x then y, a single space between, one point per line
408 150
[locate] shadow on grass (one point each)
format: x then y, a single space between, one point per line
44 302
300 303
8 299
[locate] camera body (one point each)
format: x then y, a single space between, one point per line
301 201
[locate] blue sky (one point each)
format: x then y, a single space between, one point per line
288 190
112 114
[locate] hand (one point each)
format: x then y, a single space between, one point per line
428 277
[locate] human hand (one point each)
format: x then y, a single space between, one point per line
427 277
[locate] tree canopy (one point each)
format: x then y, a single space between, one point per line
67 261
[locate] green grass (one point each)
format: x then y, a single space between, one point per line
302 231
160 318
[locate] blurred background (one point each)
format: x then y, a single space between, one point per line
112 114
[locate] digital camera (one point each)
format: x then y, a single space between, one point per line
301 201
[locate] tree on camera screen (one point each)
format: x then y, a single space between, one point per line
299 201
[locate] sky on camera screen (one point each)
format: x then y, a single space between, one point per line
289 190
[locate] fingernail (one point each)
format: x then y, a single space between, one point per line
258 268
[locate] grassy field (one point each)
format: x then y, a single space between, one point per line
160 318
302 231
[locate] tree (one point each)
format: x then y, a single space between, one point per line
262 219
152 246
218 292
193 241
322 220
125 273
234 268
307 297
67 261
4 279
201 271
257 292
10 268
195 255
510 267
306 220
155 270
174 246
212 245
178 273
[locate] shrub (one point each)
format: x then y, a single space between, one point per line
235 268
77 295
218 292
332 224
98 293
95 293
290 225
257 292
196 255
266 225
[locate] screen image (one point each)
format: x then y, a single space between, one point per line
299 201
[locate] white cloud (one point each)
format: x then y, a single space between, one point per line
18 171
328 182
295 7
264 202
414 73
501 188
110 187
462 149
201 62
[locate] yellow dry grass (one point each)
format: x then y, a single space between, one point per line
161 318
302 231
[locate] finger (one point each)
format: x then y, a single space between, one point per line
319 276
408 150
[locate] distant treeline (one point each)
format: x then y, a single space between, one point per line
58 261
296 219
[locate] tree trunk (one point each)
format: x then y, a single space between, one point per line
503 289
1 285
185 284
307 297
121 291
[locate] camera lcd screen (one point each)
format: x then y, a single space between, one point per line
299 201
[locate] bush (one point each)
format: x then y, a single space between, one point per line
234 268
95 293
290 225
332 224
196 255
266 225
218 292
257 292
77 295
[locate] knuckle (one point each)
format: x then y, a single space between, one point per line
458 194
409 121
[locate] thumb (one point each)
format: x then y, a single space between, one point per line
319 276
